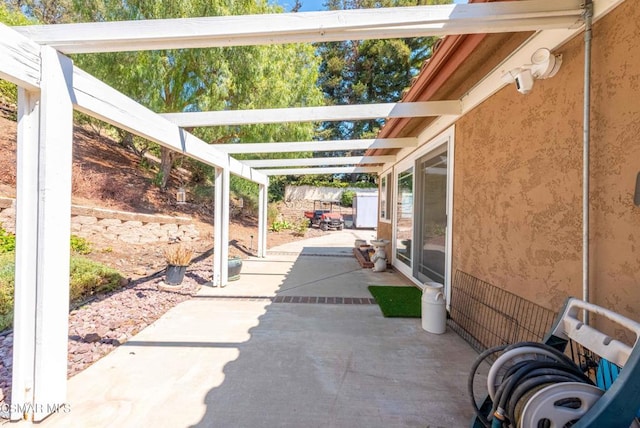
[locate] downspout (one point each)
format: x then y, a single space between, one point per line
588 17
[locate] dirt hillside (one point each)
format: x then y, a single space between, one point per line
108 175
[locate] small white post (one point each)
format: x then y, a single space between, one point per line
221 229
43 230
225 219
263 200
217 228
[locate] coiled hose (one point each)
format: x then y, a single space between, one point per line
521 381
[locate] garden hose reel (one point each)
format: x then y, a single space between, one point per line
536 385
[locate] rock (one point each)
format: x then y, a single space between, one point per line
100 325
92 337
114 325
141 271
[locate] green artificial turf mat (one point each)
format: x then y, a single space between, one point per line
402 302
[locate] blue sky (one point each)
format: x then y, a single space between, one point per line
313 5
307 5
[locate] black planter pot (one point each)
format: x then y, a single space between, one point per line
235 266
175 274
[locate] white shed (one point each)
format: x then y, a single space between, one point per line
365 210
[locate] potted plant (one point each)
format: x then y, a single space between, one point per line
178 258
235 266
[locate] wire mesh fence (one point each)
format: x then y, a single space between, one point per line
487 316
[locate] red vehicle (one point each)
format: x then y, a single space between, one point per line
324 216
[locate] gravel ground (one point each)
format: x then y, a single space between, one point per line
109 320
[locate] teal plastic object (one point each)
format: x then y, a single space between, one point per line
606 374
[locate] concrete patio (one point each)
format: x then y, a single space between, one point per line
235 357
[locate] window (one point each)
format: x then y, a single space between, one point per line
385 198
404 216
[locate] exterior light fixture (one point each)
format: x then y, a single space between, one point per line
181 195
543 65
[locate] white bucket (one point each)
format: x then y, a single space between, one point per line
434 312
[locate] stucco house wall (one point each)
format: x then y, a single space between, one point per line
518 178
517 194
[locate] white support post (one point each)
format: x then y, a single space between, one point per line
262 220
224 220
217 229
43 226
221 231
24 328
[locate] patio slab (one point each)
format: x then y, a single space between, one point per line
231 357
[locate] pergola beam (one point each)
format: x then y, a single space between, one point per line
331 170
357 24
347 160
315 114
20 62
320 146
101 101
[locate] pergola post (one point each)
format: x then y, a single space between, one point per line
221 229
263 200
44 163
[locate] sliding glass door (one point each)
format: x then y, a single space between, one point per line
422 205
431 216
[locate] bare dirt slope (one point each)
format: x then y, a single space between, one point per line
107 175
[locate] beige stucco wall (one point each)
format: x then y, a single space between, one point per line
518 174
384 230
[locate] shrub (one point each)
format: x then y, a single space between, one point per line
7 241
80 245
300 229
346 200
272 213
7 282
280 225
88 277
157 179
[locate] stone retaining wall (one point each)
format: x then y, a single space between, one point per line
132 228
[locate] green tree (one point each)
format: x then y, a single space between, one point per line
368 71
44 11
207 79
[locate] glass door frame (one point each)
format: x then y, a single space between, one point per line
400 168
436 144
419 217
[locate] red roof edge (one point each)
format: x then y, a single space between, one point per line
444 62
448 56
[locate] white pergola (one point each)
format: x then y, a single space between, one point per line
51 87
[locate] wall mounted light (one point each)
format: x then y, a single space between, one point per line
543 65
181 196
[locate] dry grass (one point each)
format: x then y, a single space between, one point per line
178 255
